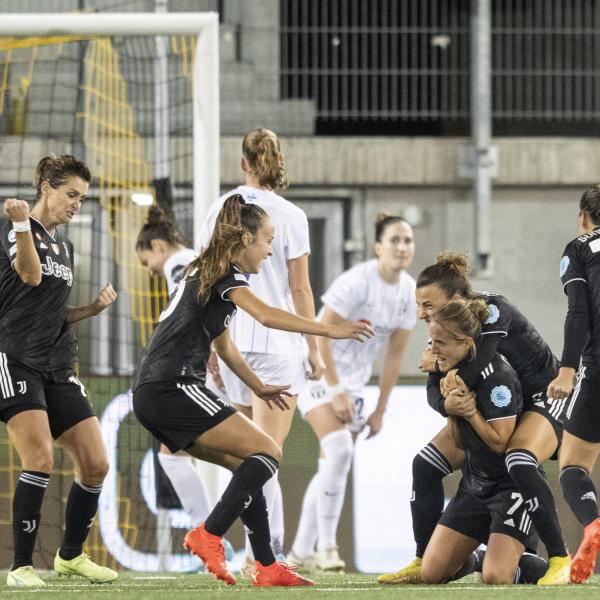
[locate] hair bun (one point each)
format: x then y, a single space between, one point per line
382 216
156 215
454 261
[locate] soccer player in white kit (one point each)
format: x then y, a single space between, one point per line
161 249
275 356
381 292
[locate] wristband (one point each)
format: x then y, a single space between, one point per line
337 389
21 226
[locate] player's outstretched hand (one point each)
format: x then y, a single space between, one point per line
562 385
105 298
16 210
275 394
352 330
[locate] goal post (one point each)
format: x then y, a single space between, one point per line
137 96
205 82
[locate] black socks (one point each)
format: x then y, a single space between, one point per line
27 506
580 493
82 505
522 466
427 503
245 484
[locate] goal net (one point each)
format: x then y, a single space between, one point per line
130 106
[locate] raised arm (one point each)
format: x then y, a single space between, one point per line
275 318
27 262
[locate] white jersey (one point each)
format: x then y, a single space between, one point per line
361 293
271 284
175 265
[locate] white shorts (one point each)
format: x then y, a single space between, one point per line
272 369
316 393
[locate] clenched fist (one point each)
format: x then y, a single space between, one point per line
16 210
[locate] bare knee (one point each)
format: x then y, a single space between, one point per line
275 451
492 575
39 458
431 575
94 472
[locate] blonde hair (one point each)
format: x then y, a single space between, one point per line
463 319
235 218
261 149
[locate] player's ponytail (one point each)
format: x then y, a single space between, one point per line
55 170
450 273
463 319
590 203
234 219
261 150
158 226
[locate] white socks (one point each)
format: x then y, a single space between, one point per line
324 497
188 485
338 448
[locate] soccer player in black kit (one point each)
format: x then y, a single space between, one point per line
171 400
487 507
41 399
580 275
537 435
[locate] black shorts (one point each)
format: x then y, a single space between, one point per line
502 512
582 418
59 393
552 410
178 413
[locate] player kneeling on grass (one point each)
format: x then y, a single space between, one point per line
171 400
487 507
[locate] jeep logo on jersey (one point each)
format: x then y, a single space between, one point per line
57 270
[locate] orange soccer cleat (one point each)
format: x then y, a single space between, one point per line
584 562
278 574
209 549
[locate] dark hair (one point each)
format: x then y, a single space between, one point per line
382 220
56 170
158 226
590 203
260 148
463 319
451 273
235 218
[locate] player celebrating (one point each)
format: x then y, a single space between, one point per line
537 435
581 442
381 292
42 399
160 248
283 282
172 402
487 508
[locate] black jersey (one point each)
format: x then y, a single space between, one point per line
580 264
33 324
510 333
498 396
180 344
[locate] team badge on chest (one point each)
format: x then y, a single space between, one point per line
55 248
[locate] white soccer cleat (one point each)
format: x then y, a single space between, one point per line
329 561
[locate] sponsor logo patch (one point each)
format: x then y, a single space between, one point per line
564 265
501 396
494 314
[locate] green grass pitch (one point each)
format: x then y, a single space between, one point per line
153 586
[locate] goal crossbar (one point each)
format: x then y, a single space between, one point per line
206 75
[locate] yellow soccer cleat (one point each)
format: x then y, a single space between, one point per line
84 567
24 577
409 574
558 572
